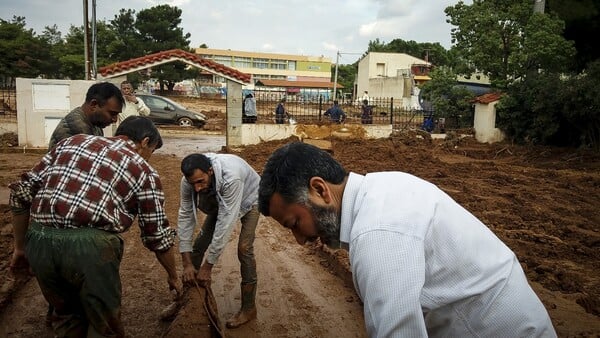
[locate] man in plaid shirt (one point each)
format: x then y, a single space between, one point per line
68 213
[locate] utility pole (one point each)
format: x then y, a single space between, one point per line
86 43
94 42
335 77
337 60
539 6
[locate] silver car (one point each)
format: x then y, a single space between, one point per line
166 111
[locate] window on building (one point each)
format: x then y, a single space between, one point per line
224 60
278 77
278 64
260 63
292 65
242 62
381 69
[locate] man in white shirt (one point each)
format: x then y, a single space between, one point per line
133 105
422 264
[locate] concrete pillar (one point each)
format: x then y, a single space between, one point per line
233 112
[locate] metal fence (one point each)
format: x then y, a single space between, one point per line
8 100
385 111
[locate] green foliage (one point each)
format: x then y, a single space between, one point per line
434 52
551 109
582 21
346 75
506 41
22 53
449 99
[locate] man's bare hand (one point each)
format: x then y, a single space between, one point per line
176 285
204 274
189 274
19 265
130 98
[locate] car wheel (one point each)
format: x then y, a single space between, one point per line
185 122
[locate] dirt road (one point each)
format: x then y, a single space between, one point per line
296 295
544 203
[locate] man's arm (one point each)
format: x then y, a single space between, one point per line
167 260
20 223
141 107
186 223
388 269
229 210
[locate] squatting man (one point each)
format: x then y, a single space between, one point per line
422 264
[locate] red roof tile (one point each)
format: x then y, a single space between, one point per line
488 98
147 61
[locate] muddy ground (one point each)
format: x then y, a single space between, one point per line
544 203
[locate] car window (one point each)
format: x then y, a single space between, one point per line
155 103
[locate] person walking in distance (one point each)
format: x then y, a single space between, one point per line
249 112
335 113
281 112
225 188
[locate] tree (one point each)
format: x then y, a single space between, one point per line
505 40
449 99
73 59
128 42
22 53
582 21
431 51
52 37
159 30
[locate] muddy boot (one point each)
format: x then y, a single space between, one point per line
248 310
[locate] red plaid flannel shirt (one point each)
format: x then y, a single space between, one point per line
92 181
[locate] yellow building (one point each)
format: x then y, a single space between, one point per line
271 66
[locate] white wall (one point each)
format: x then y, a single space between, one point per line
367 72
485 123
42 103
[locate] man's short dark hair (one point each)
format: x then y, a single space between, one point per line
192 162
102 92
289 169
136 128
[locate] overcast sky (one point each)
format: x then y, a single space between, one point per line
305 27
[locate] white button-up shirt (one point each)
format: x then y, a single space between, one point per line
425 266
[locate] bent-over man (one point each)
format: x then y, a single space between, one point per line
422 264
69 212
225 188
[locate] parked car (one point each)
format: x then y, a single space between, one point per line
166 111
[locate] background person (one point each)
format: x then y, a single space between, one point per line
103 103
133 105
249 113
335 113
281 112
68 213
225 188
366 116
421 263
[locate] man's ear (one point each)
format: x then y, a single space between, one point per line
145 142
318 188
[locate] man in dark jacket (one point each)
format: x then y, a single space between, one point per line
335 113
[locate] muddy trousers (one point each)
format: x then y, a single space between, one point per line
78 273
245 244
